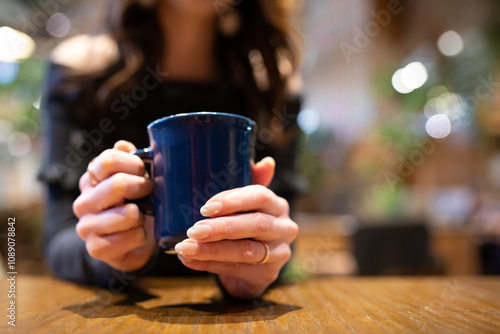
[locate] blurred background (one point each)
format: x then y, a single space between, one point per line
401 132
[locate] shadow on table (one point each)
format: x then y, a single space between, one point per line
216 310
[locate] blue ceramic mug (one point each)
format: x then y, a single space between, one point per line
194 156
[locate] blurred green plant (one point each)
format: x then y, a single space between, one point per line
20 100
295 272
24 91
312 147
388 201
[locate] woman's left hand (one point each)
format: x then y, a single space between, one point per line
230 242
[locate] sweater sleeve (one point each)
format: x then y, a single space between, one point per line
65 160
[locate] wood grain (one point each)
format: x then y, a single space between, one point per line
318 305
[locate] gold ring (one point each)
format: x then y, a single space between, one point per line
266 256
92 177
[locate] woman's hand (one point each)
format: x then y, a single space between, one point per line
115 232
229 243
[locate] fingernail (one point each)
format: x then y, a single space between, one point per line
199 232
211 208
186 248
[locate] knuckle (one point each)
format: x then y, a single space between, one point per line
82 229
107 160
94 249
132 212
119 183
293 230
139 164
282 254
286 206
81 182
287 254
265 195
78 207
262 223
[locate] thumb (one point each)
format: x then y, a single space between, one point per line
263 171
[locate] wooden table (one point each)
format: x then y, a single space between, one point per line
318 305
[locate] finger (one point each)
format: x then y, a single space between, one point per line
115 246
257 274
85 182
263 171
111 221
111 192
115 161
124 146
242 289
241 251
245 199
242 271
256 225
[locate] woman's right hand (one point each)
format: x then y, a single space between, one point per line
114 231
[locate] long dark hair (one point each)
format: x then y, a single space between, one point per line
264 41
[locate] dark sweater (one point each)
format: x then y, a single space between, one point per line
75 132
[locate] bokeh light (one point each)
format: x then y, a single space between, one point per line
58 25
308 121
450 43
19 144
8 72
409 78
436 91
438 126
414 75
15 45
452 105
398 85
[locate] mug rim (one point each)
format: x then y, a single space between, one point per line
201 113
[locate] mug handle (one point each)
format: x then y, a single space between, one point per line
145 204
